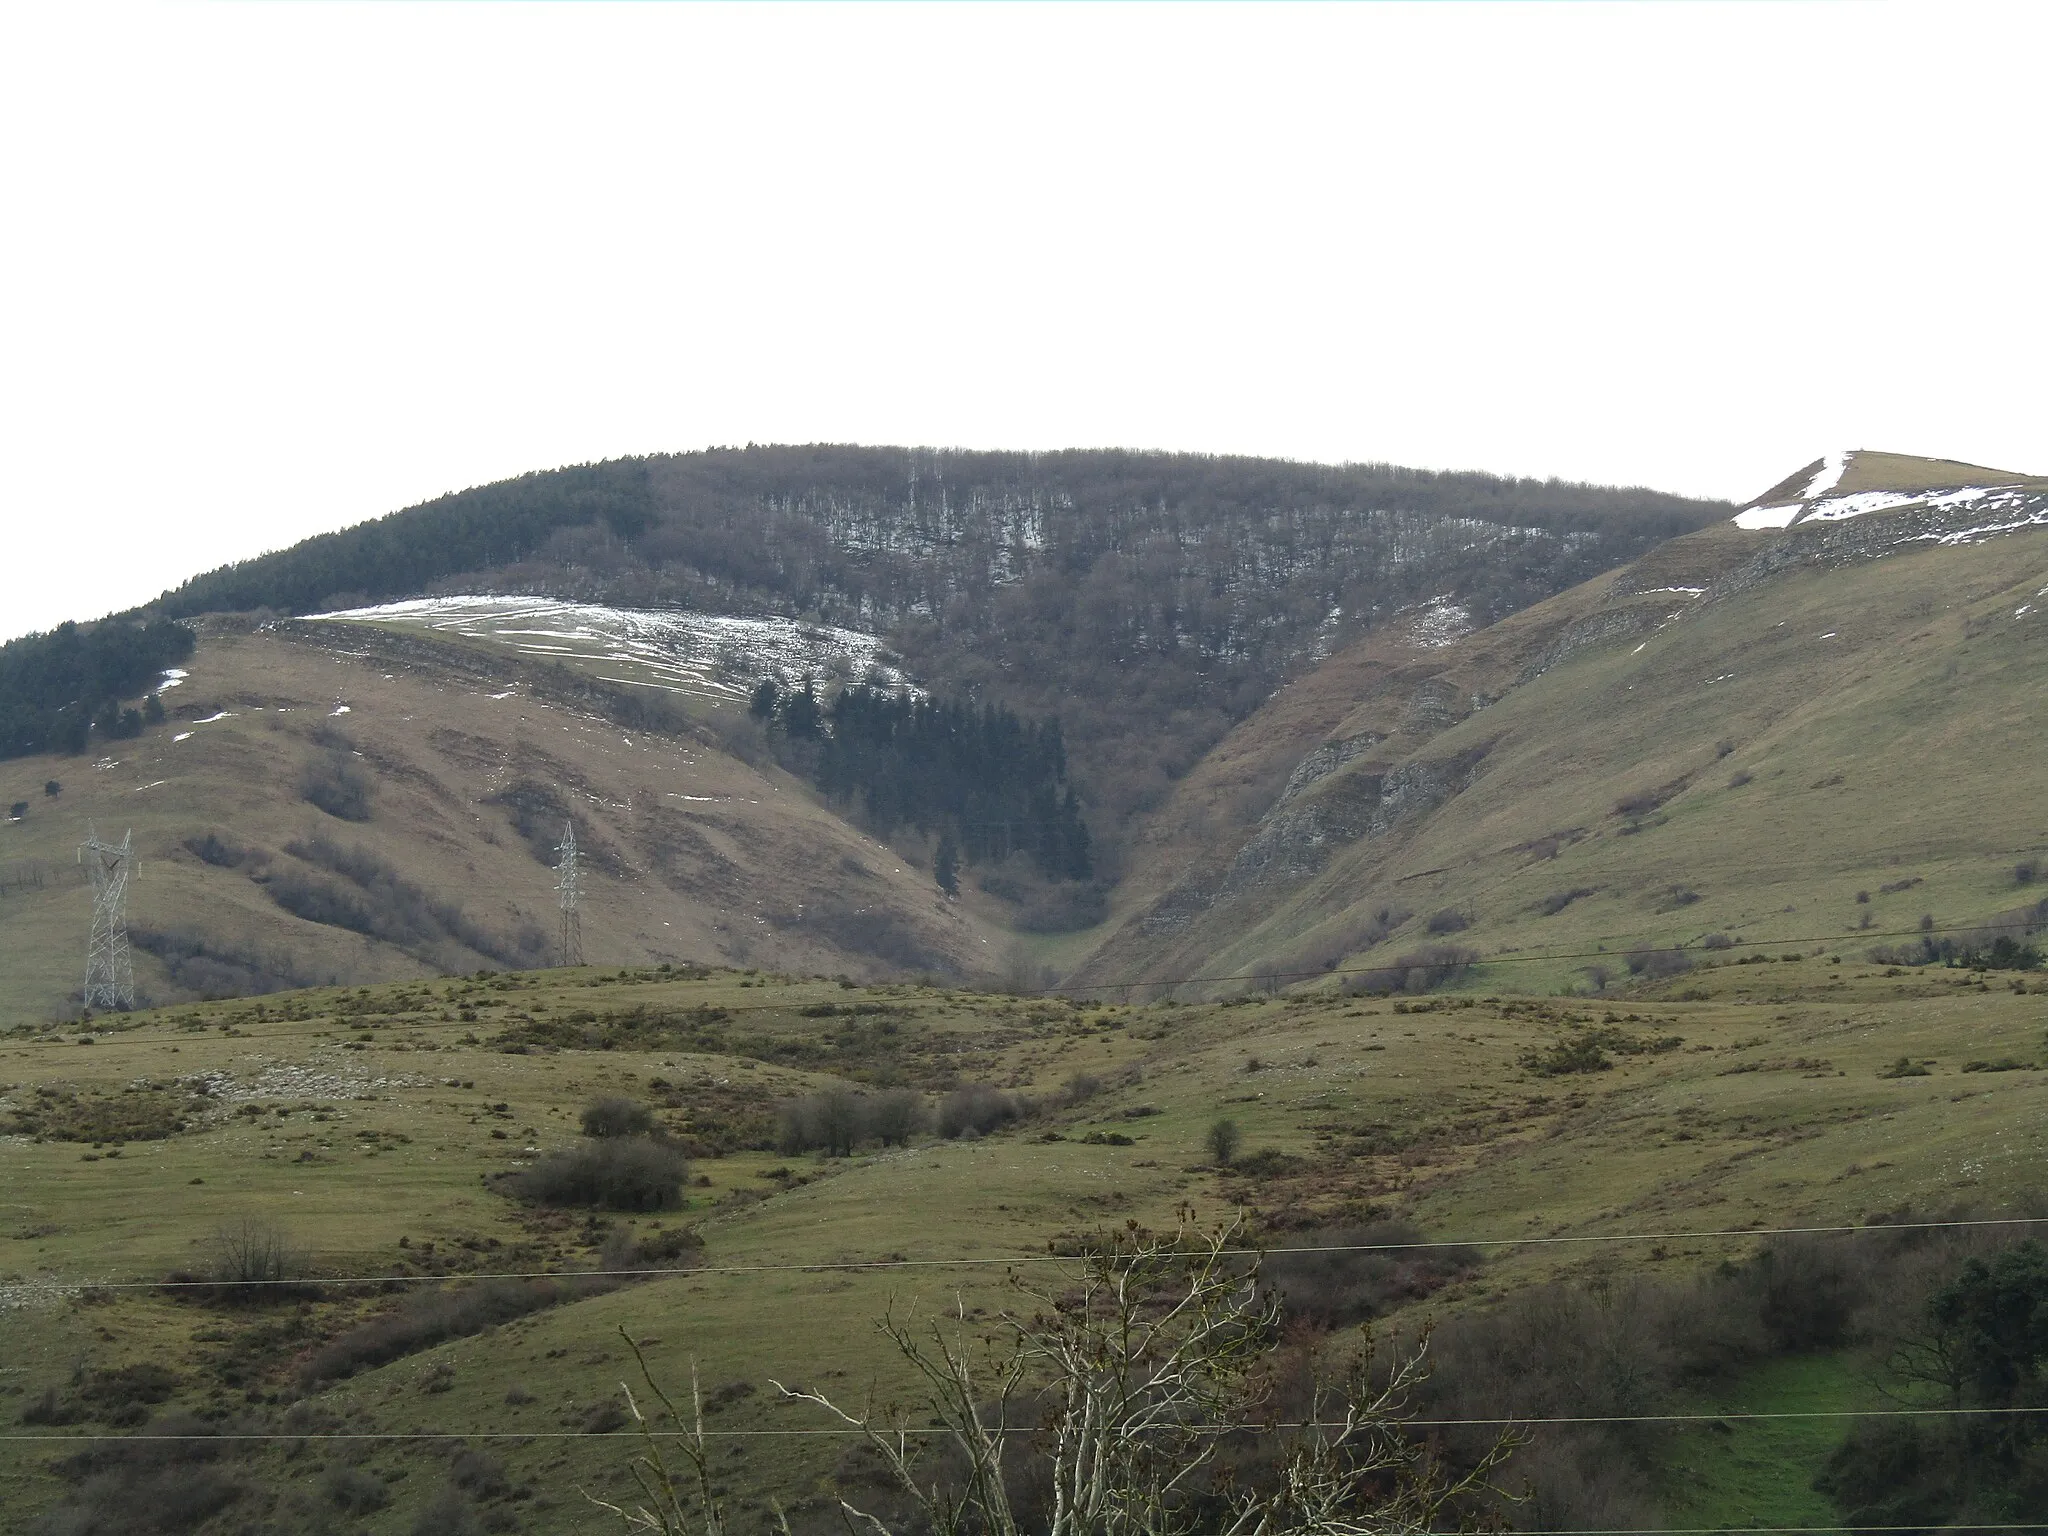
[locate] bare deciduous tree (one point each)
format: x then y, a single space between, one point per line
1126 1383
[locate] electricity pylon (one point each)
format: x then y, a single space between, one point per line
109 970
569 887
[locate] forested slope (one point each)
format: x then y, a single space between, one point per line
1148 600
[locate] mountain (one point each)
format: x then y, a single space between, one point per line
1150 600
1822 723
1127 608
1317 720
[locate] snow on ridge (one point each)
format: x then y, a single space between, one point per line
1834 509
1832 468
678 651
1768 517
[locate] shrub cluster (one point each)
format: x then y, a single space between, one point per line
1421 970
616 1173
1335 1277
838 1120
976 1109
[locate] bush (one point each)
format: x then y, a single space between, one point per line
337 785
1334 1277
1222 1140
1717 941
354 1491
252 1251
617 1117
977 1109
619 1173
1557 901
448 1514
1658 964
895 1115
1449 920
162 1487
1420 970
427 1318
833 1122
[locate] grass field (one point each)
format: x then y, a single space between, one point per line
367 1123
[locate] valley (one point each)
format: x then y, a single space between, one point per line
1602 928
369 1127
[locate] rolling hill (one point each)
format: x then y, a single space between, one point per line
1560 954
1734 730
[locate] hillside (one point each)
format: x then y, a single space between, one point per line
335 803
367 1126
1735 730
1149 600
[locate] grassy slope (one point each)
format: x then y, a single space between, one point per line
1902 747
1670 1142
688 851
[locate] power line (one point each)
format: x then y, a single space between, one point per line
825 1266
829 1431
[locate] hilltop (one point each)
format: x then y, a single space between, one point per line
1735 729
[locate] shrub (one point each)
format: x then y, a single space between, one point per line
1905 1066
1334 1277
895 1115
1717 941
617 1117
427 1318
354 1491
159 1486
2026 872
1658 964
832 1122
1557 901
252 1250
1448 920
1420 970
1222 1141
1580 1053
618 1173
977 1109
1736 781
337 785
448 1513
1080 1088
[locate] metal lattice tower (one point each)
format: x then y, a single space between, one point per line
109 969
569 887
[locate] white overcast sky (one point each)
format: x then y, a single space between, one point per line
267 270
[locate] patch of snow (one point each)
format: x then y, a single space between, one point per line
172 678
709 655
226 714
339 709
141 787
182 736
2023 610
1836 508
1638 648
1441 623
1829 635
1688 591
1767 517
505 695
1829 476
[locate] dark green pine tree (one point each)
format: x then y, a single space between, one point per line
946 865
